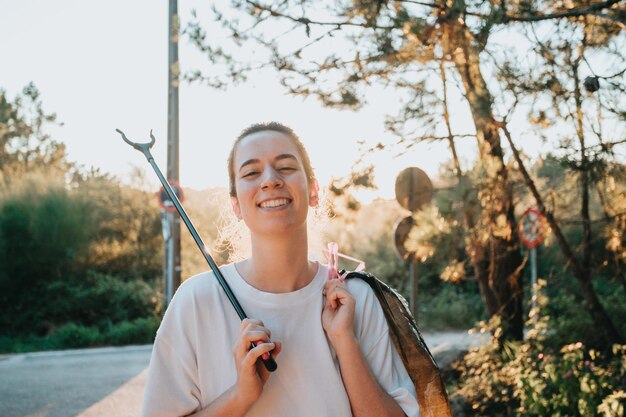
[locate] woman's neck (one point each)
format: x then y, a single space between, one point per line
278 264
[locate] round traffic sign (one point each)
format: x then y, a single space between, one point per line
400 235
531 228
413 188
164 200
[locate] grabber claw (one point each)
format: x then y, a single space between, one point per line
142 147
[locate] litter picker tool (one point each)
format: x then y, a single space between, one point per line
144 148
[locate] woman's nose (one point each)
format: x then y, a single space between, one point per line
271 179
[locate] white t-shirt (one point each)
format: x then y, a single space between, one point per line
192 362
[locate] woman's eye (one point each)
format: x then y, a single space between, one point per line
287 169
250 174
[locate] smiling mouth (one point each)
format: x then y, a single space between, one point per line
279 202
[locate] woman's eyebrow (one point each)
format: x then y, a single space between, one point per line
286 156
278 158
248 162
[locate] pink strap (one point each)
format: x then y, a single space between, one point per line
332 257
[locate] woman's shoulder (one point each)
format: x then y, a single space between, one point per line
204 284
194 296
358 286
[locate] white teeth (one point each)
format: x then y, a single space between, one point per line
274 203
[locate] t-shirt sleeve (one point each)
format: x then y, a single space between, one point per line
381 355
172 381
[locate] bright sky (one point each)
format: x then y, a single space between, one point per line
102 65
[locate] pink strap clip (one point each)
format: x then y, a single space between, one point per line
332 256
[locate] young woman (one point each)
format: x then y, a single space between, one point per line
329 337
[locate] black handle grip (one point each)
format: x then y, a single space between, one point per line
270 363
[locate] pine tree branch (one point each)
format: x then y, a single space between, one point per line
594 8
306 21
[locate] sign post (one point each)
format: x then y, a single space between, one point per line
167 220
531 230
413 190
173 82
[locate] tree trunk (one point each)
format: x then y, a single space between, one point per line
477 252
495 248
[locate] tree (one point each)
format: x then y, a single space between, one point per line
405 45
78 239
24 144
562 108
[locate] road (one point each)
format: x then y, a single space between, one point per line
106 381
67 383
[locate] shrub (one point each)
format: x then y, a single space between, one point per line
75 336
532 378
450 308
138 331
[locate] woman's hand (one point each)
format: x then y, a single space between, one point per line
251 374
338 313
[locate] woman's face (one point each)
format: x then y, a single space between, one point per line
272 193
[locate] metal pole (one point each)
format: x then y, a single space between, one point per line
173 260
413 278
533 281
167 237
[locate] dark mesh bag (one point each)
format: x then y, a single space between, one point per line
420 364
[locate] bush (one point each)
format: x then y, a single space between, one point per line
101 299
570 322
138 331
450 308
78 254
532 378
75 336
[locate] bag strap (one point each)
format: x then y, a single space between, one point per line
418 361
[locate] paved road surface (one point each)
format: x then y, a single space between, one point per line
103 382
66 383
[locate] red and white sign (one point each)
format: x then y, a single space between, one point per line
164 200
531 228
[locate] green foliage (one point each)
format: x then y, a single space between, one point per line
67 255
572 381
450 307
126 236
569 322
99 299
138 331
535 378
24 144
75 336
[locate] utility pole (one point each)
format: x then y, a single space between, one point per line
172 245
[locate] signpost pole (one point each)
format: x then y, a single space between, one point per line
168 221
173 266
531 231
167 238
533 280
413 190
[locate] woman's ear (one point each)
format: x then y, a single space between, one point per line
314 193
234 203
